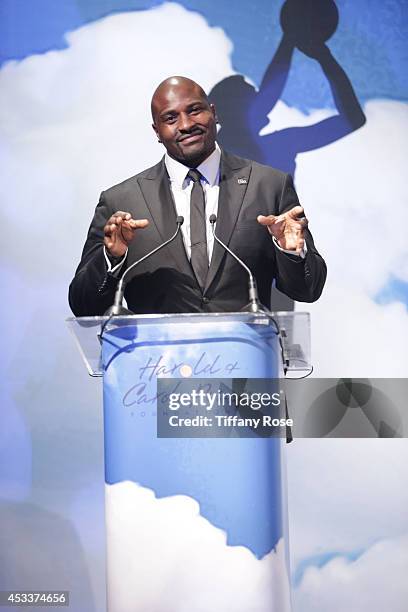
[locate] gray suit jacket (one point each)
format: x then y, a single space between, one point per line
165 283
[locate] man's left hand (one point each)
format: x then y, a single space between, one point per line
288 229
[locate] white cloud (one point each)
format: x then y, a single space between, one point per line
352 336
283 116
355 191
374 582
354 194
164 556
78 120
345 494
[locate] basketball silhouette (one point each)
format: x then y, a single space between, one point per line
309 22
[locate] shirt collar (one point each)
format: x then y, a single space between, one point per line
209 168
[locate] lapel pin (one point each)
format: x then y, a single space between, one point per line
242 181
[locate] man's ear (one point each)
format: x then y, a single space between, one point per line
214 112
156 132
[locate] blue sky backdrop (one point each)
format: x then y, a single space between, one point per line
371 39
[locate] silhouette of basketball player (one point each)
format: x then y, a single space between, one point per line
243 111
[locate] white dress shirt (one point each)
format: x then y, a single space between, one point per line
181 187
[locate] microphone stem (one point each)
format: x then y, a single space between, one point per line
254 303
117 304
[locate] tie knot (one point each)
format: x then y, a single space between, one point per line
194 175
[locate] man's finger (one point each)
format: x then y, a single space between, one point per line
296 212
121 213
118 217
128 228
300 245
266 220
303 223
114 222
137 223
110 229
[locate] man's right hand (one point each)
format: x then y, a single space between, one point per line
119 232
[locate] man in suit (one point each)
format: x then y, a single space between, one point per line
258 216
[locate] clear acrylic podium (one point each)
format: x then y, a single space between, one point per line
193 524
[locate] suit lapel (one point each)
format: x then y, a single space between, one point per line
234 178
156 192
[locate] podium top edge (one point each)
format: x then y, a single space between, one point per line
260 315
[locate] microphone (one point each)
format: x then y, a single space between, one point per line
117 307
254 304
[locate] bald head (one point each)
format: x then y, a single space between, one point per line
184 120
174 83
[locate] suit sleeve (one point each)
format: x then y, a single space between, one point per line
92 290
300 279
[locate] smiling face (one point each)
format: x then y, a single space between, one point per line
184 120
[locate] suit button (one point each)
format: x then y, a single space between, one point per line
205 300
